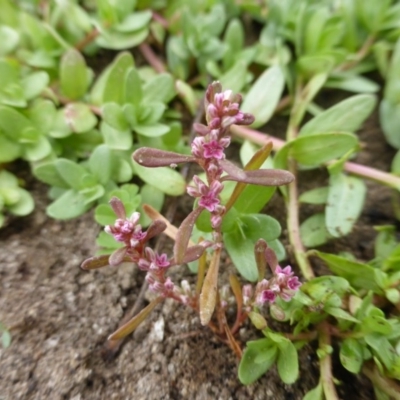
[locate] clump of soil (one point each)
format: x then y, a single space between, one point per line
61 316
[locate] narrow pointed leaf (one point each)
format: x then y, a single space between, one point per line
232 170
155 228
96 262
171 230
131 325
237 290
183 235
201 272
208 296
263 177
149 157
117 257
259 255
192 253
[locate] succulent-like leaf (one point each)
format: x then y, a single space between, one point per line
131 325
96 262
73 75
150 157
259 255
183 235
118 256
208 296
155 228
263 177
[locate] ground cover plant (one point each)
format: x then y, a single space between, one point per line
172 102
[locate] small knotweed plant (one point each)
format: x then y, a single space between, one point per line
208 151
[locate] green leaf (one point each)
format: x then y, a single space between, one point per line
100 163
151 113
352 83
9 39
382 348
74 78
34 84
345 202
114 85
348 115
79 117
315 196
322 288
160 88
389 114
48 173
71 204
315 394
249 369
153 196
166 179
114 40
71 172
313 231
264 95
92 193
359 275
134 22
235 77
133 87
6 338
42 113
340 313
24 205
13 123
38 150
9 150
114 116
288 362
240 242
234 39
254 198
351 355
153 130
392 86
317 149
104 215
116 139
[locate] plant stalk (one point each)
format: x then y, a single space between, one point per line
362 171
325 363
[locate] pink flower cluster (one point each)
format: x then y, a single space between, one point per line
129 232
283 284
222 110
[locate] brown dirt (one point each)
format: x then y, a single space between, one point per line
61 316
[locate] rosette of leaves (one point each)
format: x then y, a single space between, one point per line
128 103
195 37
13 198
232 69
119 25
76 187
326 40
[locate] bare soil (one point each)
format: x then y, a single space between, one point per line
61 316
